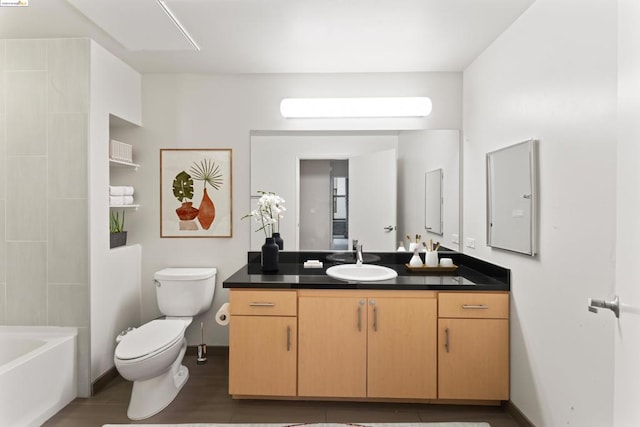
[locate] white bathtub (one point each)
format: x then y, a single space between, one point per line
38 373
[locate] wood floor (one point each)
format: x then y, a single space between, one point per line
204 399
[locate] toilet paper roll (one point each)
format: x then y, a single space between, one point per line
222 316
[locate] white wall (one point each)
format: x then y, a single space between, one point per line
193 111
114 274
552 76
316 205
420 152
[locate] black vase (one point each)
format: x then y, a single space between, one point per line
279 241
270 256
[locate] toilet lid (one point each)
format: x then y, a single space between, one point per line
149 338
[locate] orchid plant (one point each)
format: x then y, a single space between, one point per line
269 213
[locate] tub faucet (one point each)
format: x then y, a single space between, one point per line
359 257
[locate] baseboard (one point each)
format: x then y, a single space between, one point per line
100 382
192 350
517 414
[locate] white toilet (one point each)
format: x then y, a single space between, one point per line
151 355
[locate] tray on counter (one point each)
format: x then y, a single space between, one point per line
425 269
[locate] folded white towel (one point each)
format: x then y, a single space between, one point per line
120 200
120 190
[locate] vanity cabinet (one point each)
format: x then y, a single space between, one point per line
473 345
262 343
376 344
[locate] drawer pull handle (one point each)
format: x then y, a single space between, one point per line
475 307
288 337
262 304
446 340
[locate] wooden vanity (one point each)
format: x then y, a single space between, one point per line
296 341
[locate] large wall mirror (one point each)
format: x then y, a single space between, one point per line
369 186
511 198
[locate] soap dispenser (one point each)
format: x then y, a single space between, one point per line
415 260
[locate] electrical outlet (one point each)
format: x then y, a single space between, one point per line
455 238
470 243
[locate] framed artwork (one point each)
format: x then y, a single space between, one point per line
195 192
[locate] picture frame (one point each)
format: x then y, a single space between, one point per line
195 192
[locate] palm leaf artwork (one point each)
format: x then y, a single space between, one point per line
183 186
207 171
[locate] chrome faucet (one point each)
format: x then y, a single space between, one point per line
359 257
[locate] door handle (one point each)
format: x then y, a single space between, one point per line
389 228
613 305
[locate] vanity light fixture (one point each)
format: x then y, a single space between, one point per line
177 23
355 107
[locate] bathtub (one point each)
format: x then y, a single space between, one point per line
38 373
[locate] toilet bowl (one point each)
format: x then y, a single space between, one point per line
151 355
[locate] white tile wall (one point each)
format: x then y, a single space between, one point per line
61 297
67 243
67 158
26 218
26 55
44 98
68 66
26 283
26 116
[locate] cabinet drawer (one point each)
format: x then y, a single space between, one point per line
262 303
473 305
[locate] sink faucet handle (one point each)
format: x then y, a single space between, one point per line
359 256
354 244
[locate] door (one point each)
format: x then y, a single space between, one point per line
627 327
262 355
332 346
473 359
372 184
402 359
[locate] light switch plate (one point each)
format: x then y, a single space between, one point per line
470 243
455 238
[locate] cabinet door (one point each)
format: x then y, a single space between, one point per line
473 359
262 355
332 346
402 342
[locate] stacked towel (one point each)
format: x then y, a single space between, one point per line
120 190
120 195
120 200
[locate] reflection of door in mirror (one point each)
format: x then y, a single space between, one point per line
323 204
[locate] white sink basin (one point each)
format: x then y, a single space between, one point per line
361 272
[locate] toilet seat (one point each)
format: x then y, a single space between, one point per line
150 339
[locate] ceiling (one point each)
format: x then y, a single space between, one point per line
276 36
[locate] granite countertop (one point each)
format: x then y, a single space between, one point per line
472 274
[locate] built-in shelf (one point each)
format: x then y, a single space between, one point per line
124 164
124 206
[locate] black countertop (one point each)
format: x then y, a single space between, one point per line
472 274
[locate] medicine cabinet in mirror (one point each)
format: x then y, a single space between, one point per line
433 201
511 198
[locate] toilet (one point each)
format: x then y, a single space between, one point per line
151 355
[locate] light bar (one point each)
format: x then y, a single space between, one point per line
355 107
178 24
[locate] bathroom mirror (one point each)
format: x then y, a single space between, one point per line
433 201
290 163
511 198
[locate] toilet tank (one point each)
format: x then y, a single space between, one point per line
185 291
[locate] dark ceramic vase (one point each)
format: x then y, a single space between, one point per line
279 241
270 256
